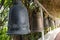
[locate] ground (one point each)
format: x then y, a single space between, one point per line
58 36
52 35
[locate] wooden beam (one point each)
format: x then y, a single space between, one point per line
40 5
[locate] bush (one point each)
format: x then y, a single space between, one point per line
3 35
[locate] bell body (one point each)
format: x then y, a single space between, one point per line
35 24
18 20
34 27
46 22
50 21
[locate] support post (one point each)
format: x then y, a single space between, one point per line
16 37
41 10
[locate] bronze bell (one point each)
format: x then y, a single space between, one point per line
18 19
50 21
45 20
35 27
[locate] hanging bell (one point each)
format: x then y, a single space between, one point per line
18 19
45 20
50 21
46 23
35 27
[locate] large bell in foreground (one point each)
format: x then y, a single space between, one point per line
18 19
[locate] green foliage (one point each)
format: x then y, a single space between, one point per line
32 6
3 35
32 36
3 19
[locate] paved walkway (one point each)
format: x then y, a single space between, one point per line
58 36
52 35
